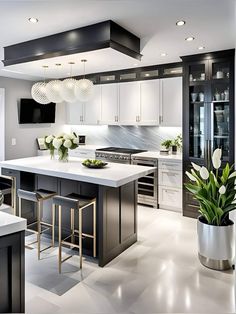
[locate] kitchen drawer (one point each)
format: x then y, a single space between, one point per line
170 178
83 154
169 196
171 165
9 172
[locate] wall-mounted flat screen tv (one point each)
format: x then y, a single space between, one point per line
32 112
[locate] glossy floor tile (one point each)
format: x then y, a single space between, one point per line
159 274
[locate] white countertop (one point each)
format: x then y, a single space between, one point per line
114 174
11 224
157 155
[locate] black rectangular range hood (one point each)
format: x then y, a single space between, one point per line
106 34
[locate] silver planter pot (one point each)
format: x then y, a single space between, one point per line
215 245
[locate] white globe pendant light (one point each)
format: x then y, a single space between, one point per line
38 91
84 87
53 89
67 91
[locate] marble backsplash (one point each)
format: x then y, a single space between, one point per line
142 137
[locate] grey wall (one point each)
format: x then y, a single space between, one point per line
25 135
149 138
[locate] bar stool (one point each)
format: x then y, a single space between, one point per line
75 203
38 197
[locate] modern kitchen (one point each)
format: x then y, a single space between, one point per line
117 156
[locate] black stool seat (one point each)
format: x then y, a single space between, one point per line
35 196
72 200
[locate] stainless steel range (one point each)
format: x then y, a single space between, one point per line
116 154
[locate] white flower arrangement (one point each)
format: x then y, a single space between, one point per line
62 144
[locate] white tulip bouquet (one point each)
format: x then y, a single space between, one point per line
62 144
214 190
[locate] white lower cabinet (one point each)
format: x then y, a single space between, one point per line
170 185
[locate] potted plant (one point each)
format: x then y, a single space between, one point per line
215 192
166 144
62 144
178 142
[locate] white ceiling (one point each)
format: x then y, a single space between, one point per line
211 22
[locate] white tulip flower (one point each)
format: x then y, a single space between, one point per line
195 166
191 177
222 189
49 139
67 143
232 175
57 142
216 158
204 173
76 141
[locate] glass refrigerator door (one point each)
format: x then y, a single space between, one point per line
220 127
197 127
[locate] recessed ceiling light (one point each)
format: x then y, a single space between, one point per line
190 38
180 23
163 54
33 20
201 48
147 74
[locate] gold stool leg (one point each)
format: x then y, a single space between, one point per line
53 225
94 229
59 238
20 207
39 227
80 237
72 224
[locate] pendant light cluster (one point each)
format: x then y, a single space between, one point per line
68 90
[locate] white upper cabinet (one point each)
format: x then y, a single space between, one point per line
92 108
129 103
171 102
74 113
149 102
109 103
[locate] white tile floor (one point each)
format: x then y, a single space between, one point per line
159 274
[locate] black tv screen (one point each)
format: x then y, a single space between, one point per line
32 112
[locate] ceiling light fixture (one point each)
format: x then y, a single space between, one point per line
67 91
84 87
53 89
33 20
38 91
163 54
180 23
190 38
201 48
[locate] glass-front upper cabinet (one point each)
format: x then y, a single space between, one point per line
196 130
220 127
197 72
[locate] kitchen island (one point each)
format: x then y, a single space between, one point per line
114 186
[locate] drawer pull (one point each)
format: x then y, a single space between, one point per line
171 165
170 192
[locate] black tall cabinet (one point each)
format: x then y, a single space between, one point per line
208 113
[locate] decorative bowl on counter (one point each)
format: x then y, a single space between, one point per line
94 163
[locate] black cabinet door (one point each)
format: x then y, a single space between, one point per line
12 273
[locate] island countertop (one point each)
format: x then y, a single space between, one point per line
113 175
11 224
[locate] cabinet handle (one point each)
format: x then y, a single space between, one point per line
136 118
159 119
169 164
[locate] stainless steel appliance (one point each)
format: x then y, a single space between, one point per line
148 185
116 154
